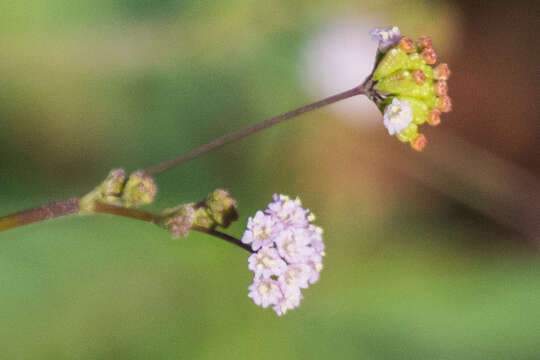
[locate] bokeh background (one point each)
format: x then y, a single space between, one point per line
429 256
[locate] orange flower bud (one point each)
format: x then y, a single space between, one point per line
424 42
419 77
444 103
434 117
441 72
429 56
419 142
441 88
406 44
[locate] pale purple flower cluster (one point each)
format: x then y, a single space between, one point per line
387 38
288 253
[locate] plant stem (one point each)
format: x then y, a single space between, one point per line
42 213
71 206
156 219
225 237
219 142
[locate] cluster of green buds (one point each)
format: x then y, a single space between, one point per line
121 190
407 86
218 209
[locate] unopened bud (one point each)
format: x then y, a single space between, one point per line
419 142
444 103
424 42
441 88
140 189
178 221
441 72
419 77
406 44
222 207
434 117
429 56
114 183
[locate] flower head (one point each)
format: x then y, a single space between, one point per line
288 253
408 87
387 37
397 116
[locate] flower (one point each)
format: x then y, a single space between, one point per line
266 262
397 116
408 87
288 251
265 292
261 229
387 37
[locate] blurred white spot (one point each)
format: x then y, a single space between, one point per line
338 58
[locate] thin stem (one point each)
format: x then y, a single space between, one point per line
225 237
219 142
156 219
136 214
42 213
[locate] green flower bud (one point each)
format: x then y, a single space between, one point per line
409 133
420 109
202 218
140 189
108 191
222 207
393 60
402 83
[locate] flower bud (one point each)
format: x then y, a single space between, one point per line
441 72
441 88
424 42
419 142
393 60
406 45
410 132
429 56
444 103
202 218
434 117
140 189
222 207
114 183
178 221
419 77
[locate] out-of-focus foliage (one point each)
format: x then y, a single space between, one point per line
86 86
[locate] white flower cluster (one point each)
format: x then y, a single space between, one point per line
288 251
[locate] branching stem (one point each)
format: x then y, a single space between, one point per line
71 206
224 140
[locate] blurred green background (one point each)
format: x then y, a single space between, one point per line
429 256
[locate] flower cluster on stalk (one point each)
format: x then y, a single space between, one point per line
410 89
288 251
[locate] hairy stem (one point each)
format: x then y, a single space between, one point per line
219 142
157 219
42 213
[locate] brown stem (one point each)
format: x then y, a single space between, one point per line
136 214
42 213
225 237
219 142
157 219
